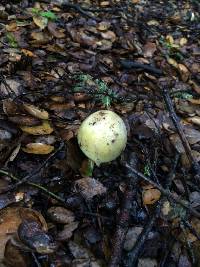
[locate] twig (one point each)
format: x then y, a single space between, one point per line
180 131
122 227
79 9
165 192
29 176
123 221
133 255
128 64
35 185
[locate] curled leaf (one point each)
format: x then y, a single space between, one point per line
36 112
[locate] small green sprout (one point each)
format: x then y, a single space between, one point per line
11 40
100 89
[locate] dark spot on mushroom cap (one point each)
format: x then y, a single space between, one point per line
113 141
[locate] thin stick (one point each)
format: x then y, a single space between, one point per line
34 185
165 192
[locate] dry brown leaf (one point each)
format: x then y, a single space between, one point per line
149 49
38 148
44 128
36 112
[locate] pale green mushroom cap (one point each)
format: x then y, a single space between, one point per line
102 136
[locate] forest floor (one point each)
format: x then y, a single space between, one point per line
60 61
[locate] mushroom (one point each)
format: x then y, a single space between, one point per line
102 136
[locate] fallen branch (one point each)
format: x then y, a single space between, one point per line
122 227
165 192
38 186
80 10
128 64
180 131
133 255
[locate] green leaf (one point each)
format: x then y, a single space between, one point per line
106 100
48 14
11 40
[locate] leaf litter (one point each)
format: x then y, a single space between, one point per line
59 62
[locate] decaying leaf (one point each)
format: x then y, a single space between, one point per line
36 112
82 257
11 218
89 187
150 195
40 21
38 148
61 215
44 128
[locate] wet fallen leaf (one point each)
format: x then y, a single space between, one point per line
10 87
61 215
183 41
24 120
82 257
14 256
147 262
184 72
44 128
32 235
131 237
150 195
149 49
67 232
28 53
172 62
58 33
90 187
40 21
36 112
38 148
109 35
195 120
11 218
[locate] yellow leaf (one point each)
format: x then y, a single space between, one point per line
38 148
170 39
184 72
40 21
36 112
44 128
172 62
28 53
183 41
